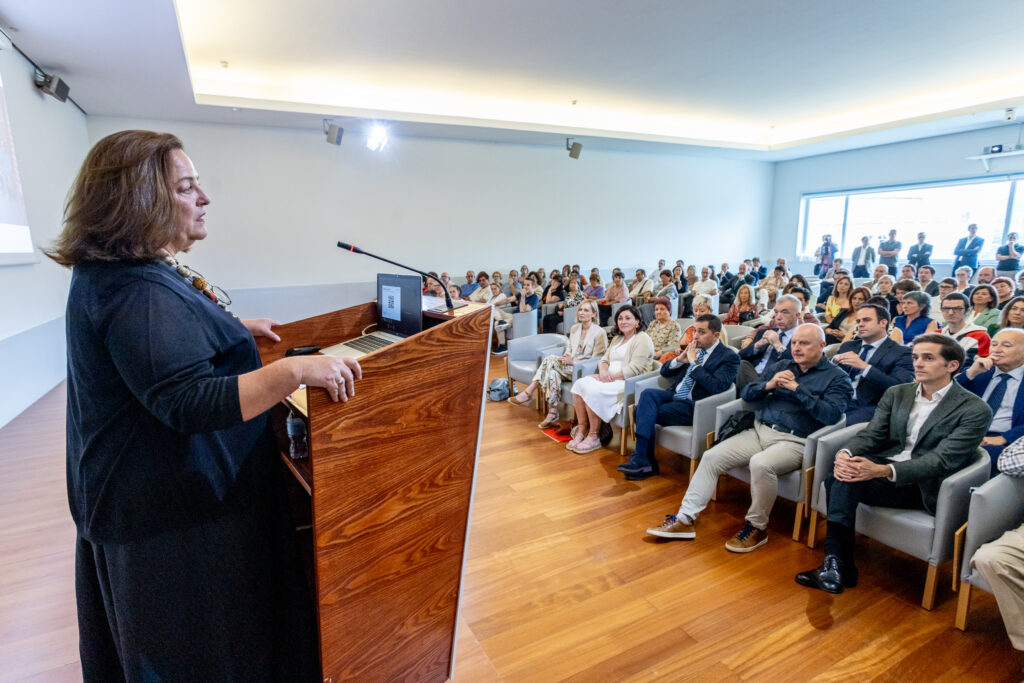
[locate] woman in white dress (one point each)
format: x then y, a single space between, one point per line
599 397
586 340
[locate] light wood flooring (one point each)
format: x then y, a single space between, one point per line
561 581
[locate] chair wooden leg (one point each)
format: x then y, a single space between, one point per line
508 376
693 467
959 538
963 604
798 522
812 530
808 485
931 585
714 494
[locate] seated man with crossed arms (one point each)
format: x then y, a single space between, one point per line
996 380
874 363
794 397
706 367
920 434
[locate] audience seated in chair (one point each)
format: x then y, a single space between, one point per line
640 289
586 340
920 434
794 397
915 320
842 324
665 290
974 340
997 381
663 331
470 286
573 297
743 308
595 290
707 367
615 294
523 302
874 363
599 397
984 311
1013 314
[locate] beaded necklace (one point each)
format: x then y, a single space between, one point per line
196 279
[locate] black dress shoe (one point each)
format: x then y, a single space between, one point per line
641 474
637 465
828 577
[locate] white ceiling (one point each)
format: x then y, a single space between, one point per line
773 79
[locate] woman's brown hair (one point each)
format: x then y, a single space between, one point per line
121 207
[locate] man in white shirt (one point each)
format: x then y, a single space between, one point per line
705 286
641 286
896 464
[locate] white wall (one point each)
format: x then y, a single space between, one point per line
931 159
50 142
282 198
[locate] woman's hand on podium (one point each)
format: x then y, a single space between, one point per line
337 375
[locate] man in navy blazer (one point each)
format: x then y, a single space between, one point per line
874 363
966 252
771 343
706 367
997 380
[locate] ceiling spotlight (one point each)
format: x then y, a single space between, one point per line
333 132
377 139
574 148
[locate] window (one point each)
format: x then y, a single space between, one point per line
15 238
942 211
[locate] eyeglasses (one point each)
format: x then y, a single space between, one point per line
954 309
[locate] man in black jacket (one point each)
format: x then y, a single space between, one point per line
874 363
707 367
794 397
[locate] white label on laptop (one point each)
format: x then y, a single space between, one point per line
391 302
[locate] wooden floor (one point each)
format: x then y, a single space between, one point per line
561 581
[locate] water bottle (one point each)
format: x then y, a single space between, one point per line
298 445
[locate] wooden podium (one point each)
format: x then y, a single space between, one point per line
390 482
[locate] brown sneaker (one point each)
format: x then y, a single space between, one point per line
673 528
749 538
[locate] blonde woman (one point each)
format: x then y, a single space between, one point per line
743 309
586 340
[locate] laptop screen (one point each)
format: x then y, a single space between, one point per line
399 301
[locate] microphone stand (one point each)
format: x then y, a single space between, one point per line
450 305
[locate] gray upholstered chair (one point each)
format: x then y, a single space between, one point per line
734 334
568 319
915 532
997 506
525 354
690 442
794 485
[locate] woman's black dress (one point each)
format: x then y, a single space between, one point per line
187 566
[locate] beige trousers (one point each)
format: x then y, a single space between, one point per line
1001 564
767 452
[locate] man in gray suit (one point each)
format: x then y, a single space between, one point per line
921 433
863 258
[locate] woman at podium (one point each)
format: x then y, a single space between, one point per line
186 565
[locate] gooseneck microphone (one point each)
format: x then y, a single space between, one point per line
447 297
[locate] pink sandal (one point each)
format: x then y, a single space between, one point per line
588 445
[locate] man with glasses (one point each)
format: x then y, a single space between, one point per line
973 339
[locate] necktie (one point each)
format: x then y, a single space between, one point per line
995 399
865 349
683 392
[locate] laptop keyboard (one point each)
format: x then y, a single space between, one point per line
368 344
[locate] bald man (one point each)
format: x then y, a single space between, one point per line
996 379
793 398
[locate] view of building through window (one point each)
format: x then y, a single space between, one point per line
941 211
